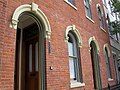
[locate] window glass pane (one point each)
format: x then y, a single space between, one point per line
70 48
107 64
36 56
72 2
105 2
100 18
100 23
88 9
30 58
108 70
99 13
73 58
87 3
88 12
111 8
72 68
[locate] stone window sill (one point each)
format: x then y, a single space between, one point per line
75 84
103 29
110 79
70 4
90 19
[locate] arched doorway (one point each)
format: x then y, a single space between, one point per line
33 29
29 53
95 66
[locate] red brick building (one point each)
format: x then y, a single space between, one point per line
54 45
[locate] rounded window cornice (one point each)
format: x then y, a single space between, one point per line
107 47
95 41
33 8
76 32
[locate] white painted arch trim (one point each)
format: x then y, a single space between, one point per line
99 6
108 49
95 41
76 32
33 8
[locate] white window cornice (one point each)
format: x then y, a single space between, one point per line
76 32
33 8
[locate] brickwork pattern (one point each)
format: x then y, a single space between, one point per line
60 15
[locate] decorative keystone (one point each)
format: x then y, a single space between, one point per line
34 7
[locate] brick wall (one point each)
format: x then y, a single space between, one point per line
60 15
3 5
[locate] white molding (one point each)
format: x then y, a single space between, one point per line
76 84
90 19
33 8
108 49
113 52
20 60
110 79
103 29
95 41
76 32
70 4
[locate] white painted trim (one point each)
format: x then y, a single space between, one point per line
70 4
20 59
76 84
108 49
90 2
90 19
76 32
114 52
103 29
33 8
95 41
110 79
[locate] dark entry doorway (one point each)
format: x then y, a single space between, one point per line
30 37
29 55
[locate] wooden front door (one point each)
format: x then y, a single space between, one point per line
31 64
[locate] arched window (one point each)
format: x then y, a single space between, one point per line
88 8
100 15
73 58
108 64
111 7
95 66
73 39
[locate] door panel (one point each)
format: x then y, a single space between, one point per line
32 77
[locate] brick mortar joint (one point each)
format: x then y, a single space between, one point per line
4 3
